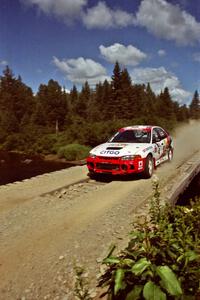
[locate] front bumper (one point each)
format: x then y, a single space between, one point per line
115 165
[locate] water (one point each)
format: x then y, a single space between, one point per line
16 167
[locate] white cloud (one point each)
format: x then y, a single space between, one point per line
101 16
159 78
39 71
181 95
159 17
80 70
168 21
66 9
3 63
67 91
161 52
124 55
196 57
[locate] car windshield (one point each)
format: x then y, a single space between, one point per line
132 136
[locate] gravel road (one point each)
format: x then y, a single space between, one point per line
49 222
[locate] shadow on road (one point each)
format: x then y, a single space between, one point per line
107 178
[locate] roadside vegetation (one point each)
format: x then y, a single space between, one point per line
73 152
161 261
51 119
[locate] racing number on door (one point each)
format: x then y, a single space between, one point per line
163 140
157 145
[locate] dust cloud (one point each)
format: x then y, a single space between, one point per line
186 141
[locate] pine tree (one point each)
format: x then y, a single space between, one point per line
16 101
52 105
115 103
96 106
81 106
195 106
73 98
106 105
139 100
166 106
126 103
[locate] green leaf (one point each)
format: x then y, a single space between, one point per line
169 280
128 262
111 260
191 255
141 265
135 293
153 292
119 276
180 257
135 234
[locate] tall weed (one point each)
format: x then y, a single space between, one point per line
162 259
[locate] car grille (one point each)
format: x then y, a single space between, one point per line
108 158
104 166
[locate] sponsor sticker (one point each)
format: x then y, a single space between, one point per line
111 152
140 165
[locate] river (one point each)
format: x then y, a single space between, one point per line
16 166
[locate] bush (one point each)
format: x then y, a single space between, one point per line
18 142
73 152
162 259
45 144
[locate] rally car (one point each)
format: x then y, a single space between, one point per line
133 149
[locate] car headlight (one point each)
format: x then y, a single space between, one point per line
130 157
92 155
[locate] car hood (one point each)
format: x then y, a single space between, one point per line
120 149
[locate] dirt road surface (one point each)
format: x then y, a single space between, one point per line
42 234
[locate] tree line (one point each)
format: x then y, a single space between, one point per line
52 118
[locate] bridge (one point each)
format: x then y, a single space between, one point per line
49 221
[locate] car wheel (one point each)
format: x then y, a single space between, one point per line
92 175
170 155
149 167
95 176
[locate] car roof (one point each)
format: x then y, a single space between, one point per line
139 127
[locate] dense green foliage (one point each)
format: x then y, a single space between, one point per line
162 260
73 152
53 118
195 106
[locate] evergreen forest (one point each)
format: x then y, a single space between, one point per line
50 119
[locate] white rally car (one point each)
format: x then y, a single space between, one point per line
133 149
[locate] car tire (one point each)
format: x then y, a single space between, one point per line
149 167
92 175
95 176
170 155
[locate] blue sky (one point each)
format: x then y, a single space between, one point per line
72 41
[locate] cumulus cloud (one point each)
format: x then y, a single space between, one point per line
3 63
66 9
196 56
124 55
80 70
159 17
98 16
159 78
168 21
161 52
101 16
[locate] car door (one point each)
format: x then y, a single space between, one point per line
157 146
163 140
